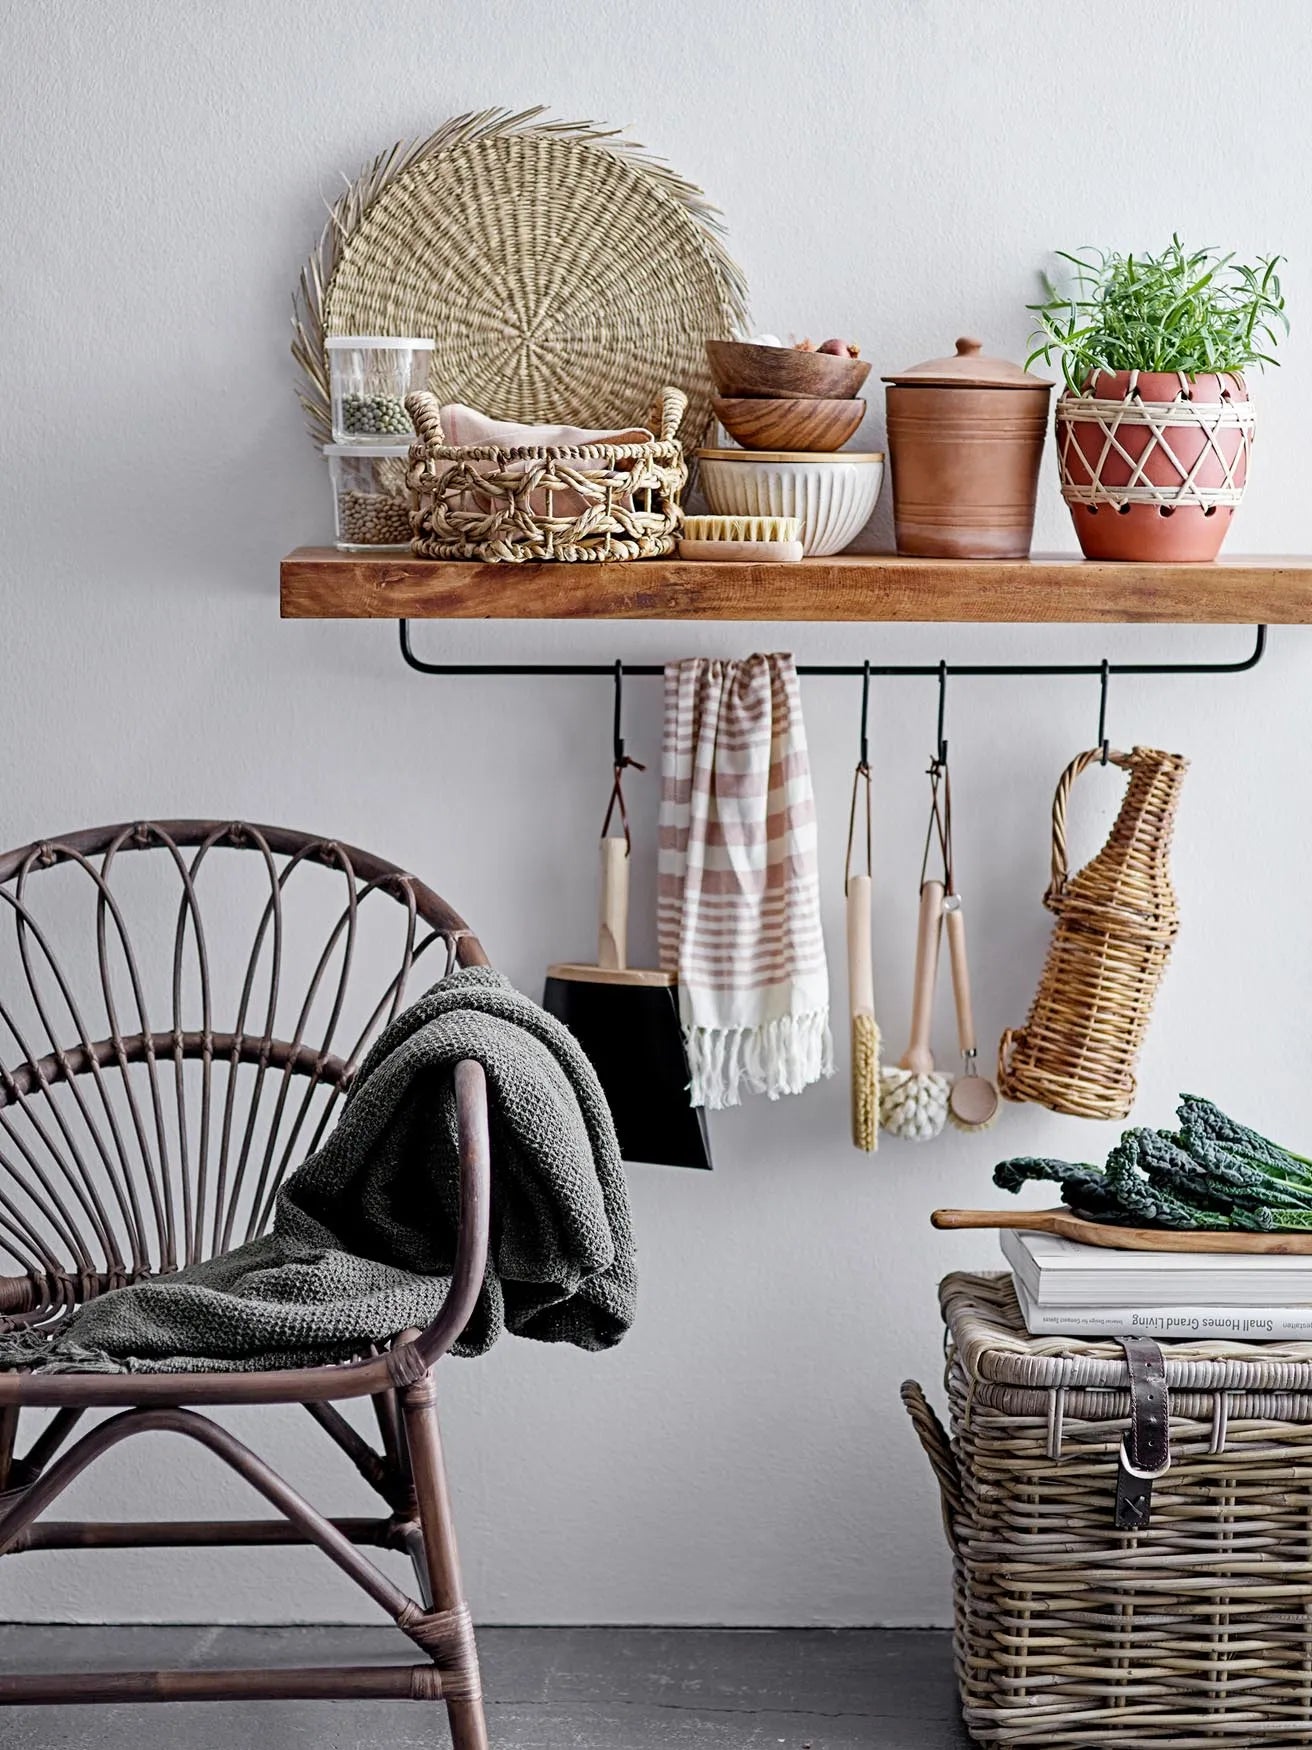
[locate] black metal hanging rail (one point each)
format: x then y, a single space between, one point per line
895 671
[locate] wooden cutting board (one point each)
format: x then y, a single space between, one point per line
1070 1226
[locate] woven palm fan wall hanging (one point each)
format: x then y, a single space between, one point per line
563 275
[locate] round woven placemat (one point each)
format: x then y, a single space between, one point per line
563 276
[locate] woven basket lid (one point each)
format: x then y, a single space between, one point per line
563 277
970 368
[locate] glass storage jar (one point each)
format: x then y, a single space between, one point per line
370 498
370 376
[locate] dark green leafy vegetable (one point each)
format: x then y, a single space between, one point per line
1210 1173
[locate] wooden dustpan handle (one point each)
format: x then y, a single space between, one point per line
613 919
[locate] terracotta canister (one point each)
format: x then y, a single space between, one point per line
965 439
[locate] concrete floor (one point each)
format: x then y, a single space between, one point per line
548 1689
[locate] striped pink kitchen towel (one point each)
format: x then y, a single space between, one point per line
738 910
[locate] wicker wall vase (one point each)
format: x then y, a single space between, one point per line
1116 920
593 501
1194 1632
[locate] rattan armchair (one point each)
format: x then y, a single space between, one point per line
128 1147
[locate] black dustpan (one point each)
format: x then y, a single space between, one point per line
627 1019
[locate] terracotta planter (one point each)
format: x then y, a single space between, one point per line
1154 463
965 438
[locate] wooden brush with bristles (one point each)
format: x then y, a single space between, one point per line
741 537
865 1031
860 973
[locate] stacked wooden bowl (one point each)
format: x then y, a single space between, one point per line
776 398
791 412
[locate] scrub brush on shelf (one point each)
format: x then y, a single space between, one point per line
725 538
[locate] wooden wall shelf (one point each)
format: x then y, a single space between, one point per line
322 583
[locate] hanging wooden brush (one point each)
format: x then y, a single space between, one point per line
860 974
972 1099
913 1096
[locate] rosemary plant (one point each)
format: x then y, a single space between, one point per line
1186 311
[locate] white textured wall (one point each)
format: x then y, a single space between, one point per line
895 170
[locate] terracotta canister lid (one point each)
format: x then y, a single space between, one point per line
969 368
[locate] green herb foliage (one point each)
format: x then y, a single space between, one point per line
1210 1173
1177 311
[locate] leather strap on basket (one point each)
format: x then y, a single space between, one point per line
1146 1449
1060 803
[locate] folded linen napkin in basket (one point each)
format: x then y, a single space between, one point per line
739 891
466 425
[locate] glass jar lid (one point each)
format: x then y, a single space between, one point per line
378 342
970 368
366 451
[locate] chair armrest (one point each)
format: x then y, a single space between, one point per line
17 1294
475 1212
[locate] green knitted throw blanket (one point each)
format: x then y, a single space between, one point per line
363 1242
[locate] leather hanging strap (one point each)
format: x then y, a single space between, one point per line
861 774
617 798
1146 1449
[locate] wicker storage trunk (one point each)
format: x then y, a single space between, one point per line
1195 1632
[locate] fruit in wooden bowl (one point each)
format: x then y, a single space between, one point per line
783 372
806 423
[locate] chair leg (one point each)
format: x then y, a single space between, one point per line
419 1408
8 1435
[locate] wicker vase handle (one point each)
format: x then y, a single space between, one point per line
1060 803
425 412
933 1437
669 412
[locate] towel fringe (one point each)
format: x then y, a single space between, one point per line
779 1057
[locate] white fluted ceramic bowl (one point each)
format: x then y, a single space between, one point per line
832 495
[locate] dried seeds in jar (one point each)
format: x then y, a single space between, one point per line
371 494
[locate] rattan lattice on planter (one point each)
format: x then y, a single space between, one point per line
1173 454
1116 921
563 274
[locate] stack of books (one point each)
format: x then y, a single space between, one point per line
1066 1289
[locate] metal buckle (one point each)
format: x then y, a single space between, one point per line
1146 1476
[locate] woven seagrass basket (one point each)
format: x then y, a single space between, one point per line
1116 920
593 501
1193 1633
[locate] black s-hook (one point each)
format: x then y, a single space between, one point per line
942 755
1102 710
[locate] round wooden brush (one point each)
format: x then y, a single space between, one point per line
913 1098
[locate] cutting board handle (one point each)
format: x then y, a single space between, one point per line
1035 1220
613 922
